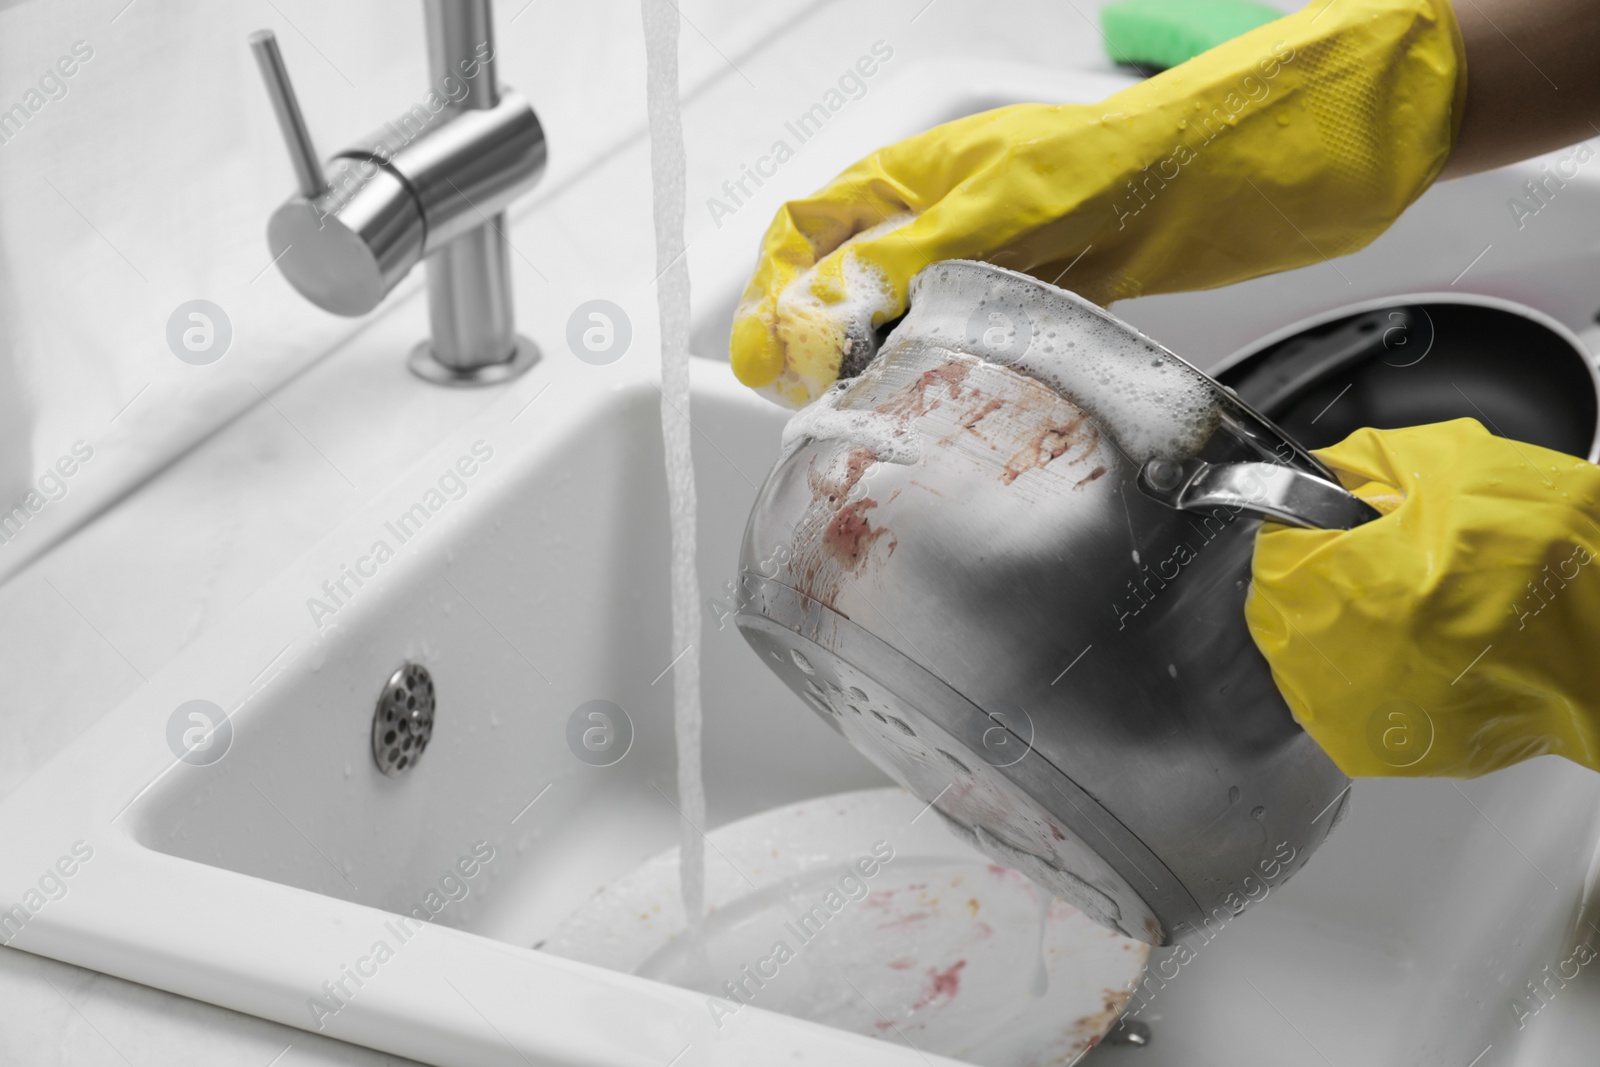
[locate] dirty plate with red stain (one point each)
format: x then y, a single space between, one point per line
861 911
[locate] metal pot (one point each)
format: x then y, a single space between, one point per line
1008 562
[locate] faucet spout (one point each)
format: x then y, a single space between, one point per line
432 185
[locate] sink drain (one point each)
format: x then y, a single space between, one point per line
403 721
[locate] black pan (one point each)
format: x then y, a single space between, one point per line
1419 359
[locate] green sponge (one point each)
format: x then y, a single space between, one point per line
1157 34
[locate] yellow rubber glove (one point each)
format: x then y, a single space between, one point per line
1460 632
1298 141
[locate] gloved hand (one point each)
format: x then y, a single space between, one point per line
1460 632
1296 142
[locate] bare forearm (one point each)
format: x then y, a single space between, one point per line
1533 79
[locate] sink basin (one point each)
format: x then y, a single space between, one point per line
280 865
523 564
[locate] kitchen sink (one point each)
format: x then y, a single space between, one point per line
523 565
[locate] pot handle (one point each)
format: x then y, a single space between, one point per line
1271 490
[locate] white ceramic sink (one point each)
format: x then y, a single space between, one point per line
537 584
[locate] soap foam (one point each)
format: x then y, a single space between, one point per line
817 331
891 440
1149 401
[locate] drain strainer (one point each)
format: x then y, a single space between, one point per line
403 721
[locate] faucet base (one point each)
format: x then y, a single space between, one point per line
424 364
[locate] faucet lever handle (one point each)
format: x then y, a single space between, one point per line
296 137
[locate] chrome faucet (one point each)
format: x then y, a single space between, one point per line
434 185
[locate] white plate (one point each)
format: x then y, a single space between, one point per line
862 912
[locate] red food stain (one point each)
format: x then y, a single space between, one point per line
1091 476
913 400
904 963
838 487
1078 435
970 423
1090 1030
880 898
850 535
911 918
945 983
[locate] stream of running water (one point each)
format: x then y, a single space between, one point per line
668 181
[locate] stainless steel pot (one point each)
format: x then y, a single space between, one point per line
1008 562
